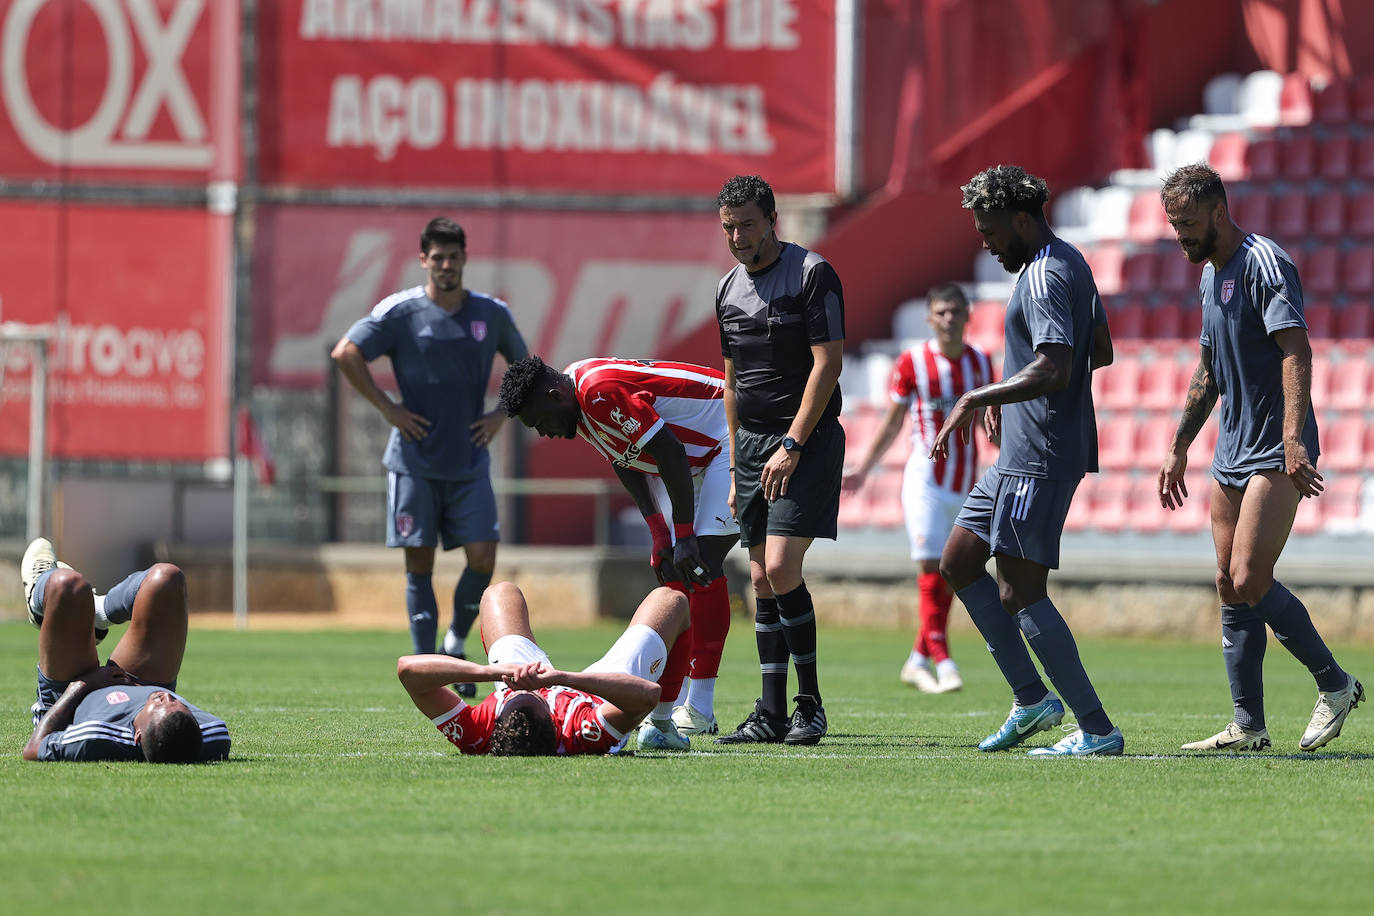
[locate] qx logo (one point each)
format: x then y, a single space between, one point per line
116 134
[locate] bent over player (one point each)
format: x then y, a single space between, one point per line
537 710
127 709
1257 359
661 424
1056 333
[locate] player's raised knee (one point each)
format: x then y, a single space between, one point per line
64 584
165 577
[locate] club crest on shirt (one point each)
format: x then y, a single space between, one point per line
115 697
1228 288
405 525
479 330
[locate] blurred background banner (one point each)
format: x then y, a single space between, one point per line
586 97
137 300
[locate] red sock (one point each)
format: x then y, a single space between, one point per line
679 654
934 595
710 607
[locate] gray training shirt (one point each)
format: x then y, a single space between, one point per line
1055 301
1256 293
103 727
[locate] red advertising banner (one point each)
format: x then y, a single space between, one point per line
119 90
137 301
579 283
591 96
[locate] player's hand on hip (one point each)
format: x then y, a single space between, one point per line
1172 489
1298 464
691 567
411 425
485 428
777 471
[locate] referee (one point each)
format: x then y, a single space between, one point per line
781 315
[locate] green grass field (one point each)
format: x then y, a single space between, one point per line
341 798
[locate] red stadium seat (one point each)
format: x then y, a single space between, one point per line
1321 319
1162 385
1290 218
1120 383
986 320
1262 159
1364 157
1328 214
1143 510
1295 100
1320 273
1253 210
1147 220
1362 103
1203 446
1228 157
1360 224
1196 512
1350 384
1107 503
1177 274
899 451
1080 510
1169 321
1298 157
1308 520
1105 260
1153 435
1341 502
1355 321
1140 272
1115 441
886 508
1126 318
1343 435
1331 105
1357 276
855 508
1335 157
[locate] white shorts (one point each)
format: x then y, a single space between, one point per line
929 510
639 651
711 499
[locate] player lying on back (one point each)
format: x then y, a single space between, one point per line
537 710
662 426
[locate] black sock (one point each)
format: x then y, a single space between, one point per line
1243 640
423 611
467 600
772 655
799 628
1053 643
1288 618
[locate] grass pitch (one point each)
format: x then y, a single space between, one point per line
341 798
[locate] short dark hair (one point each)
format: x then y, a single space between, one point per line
746 189
442 231
520 732
948 292
519 382
1007 187
1192 184
172 738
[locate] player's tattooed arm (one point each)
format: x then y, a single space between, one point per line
1198 404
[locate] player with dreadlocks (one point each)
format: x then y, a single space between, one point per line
1055 335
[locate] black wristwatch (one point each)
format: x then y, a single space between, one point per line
790 445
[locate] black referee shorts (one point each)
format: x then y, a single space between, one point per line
812 503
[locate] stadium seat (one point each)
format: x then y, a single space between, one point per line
1253 210
1362 102
1331 103
1110 214
1140 272
1295 100
1228 157
899 451
986 321
885 511
1321 319
1355 321
1259 98
1320 270
1080 510
1364 157
878 369
1147 220
1360 221
1350 384
1203 446
1328 214
1126 318
1162 385
1107 502
1290 218
1221 95
1106 261
1342 504
1335 157
860 426
1308 519
1357 274
1144 514
1177 274
1072 209
1262 159
855 508
1115 440
1159 149
1196 512
1153 435
1191 146
1343 437
1169 320
1120 383
1298 157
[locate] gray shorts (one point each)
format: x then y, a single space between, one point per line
811 507
420 510
1238 480
1019 516
51 690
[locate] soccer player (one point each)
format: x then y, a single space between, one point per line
1055 334
127 709
662 426
926 382
781 317
536 709
1257 358
442 340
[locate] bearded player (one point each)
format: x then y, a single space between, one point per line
662 426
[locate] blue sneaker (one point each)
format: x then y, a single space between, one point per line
1083 744
1024 721
662 736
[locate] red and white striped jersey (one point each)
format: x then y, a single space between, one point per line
577 717
625 402
930 383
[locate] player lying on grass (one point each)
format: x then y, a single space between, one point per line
128 709
537 710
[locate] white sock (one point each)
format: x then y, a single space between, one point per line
453 643
917 660
682 693
663 712
946 667
101 621
701 695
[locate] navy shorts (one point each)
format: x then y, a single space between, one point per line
1239 480
811 508
1019 516
419 510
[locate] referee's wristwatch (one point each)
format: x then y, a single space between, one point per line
791 445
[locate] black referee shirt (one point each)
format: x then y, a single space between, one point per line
768 324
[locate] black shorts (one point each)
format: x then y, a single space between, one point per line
812 504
